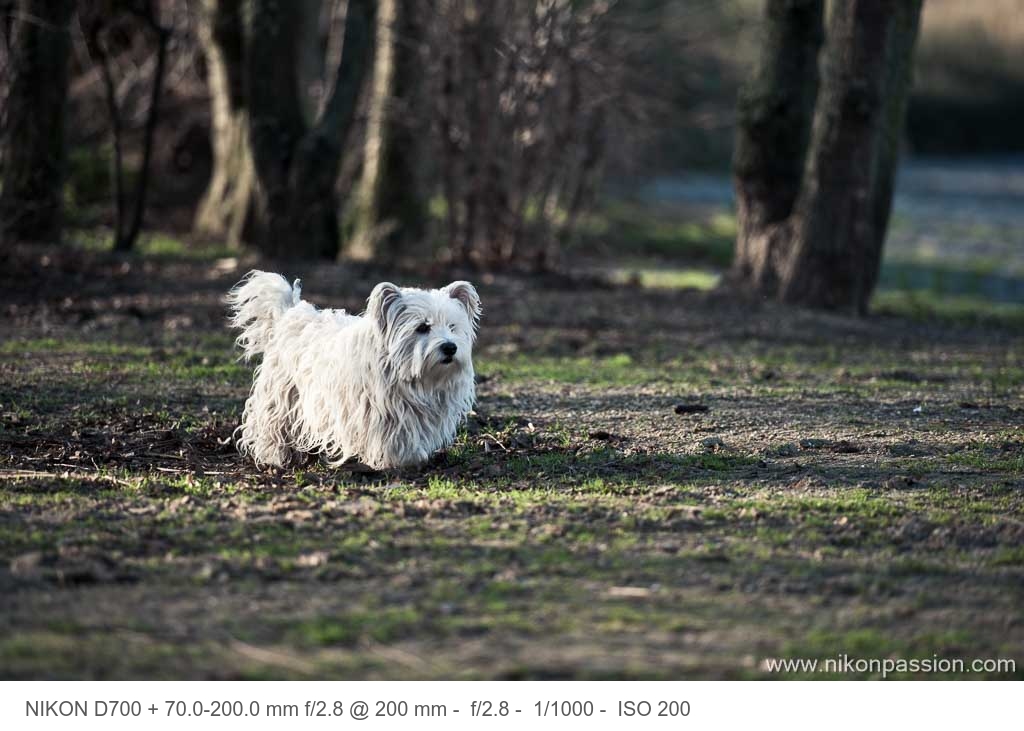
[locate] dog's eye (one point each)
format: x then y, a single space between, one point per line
423 328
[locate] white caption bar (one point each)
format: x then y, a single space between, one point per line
84 706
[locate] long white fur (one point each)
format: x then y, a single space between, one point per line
347 386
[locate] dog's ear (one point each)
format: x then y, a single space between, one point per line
384 304
466 294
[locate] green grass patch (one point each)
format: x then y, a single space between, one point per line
965 310
668 278
1010 556
157 246
630 228
384 624
988 460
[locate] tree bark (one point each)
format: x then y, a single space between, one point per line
813 212
368 227
310 60
840 217
391 208
226 207
899 78
34 148
297 163
775 112
402 196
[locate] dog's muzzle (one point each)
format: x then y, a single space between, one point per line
448 350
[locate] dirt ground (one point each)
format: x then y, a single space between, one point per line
655 484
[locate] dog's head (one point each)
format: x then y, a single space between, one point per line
427 335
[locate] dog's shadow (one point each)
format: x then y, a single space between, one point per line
352 470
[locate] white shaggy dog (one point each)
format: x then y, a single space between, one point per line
389 387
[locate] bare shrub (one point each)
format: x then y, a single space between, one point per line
518 98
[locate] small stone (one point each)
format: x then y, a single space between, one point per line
312 560
630 592
712 444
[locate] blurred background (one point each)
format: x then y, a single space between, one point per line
502 134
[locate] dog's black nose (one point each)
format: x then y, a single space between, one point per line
449 349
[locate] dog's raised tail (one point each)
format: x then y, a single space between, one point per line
256 304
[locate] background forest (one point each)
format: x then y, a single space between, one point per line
493 133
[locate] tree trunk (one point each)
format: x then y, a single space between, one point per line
34 149
225 209
368 227
775 111
391 207
6 32
402 196
813 214
841 215
899 77
310 61
297 163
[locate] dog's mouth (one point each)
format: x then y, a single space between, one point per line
447 360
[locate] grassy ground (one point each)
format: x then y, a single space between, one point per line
853 486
